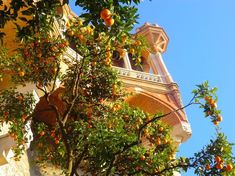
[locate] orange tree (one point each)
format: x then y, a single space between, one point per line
84 125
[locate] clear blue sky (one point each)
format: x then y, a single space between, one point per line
201 47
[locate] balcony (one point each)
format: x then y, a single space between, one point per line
123 72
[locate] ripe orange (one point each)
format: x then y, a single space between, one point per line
219 166
138 43
89 126
132 51
142 157
21 73
122 53
216 123
81 37
229 167
208 167
116 107
20 98
24 117
66 43
109 21
108 54
57 141
147 134
105 13
1 79
208 98
107 61
160 129
93 64
208 113
54 48
165 141
42 133
213 104
148 118
218 159
70 33
219 118
158 141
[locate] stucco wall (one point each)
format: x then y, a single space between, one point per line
17 168
26 167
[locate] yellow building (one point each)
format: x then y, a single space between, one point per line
153 87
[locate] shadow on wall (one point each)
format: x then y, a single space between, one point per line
37 170
33 168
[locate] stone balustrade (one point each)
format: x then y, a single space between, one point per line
139 75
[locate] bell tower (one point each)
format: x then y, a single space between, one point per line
154 89
155 35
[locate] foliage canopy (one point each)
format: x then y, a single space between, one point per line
84 122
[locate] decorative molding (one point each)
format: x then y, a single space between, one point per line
139 75
70 54
182 131
154 33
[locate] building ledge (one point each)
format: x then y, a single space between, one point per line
139 75
146 81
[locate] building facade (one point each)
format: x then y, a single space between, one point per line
152 85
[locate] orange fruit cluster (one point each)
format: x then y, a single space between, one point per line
108 58
219 164
212 104
106 15
211 101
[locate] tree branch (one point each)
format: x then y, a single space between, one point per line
110 166
64 136
78 161
55 78
164 115
75 91
126 147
